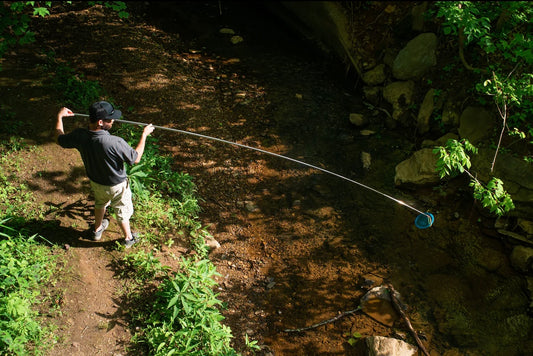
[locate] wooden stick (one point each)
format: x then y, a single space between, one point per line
398 308
324 322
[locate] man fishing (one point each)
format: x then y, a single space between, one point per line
103 156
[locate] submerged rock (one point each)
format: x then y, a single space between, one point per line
377 304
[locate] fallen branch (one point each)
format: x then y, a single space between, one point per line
398 308
324 322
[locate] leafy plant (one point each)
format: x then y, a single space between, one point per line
453 159
354 338
25 267
251 344
16 198
501 35
184 319
78 92
497 36
144 265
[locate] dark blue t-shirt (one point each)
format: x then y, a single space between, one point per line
102 153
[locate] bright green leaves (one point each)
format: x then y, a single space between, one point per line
493 196
497 35
453 159
463 15
185 319
25 267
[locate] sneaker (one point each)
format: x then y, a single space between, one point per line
98 234
133 241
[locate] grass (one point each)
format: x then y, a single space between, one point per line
26 265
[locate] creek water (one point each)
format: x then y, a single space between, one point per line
455 276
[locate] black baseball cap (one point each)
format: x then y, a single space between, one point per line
102 110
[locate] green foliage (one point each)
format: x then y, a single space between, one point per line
25 267
454 159
16 198
166 198
501 33
493 196
356 336
144 266
78 93
117 6
499 37
184 319
16 18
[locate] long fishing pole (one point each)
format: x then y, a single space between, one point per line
422 221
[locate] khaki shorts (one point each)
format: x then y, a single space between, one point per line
117 196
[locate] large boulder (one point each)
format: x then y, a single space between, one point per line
375 76
516 174
476 124
400 96
522 258
426 109
419 169
416 58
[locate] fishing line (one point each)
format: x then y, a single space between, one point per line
422 221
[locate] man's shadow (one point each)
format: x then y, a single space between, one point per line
51 232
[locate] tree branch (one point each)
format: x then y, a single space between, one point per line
399 309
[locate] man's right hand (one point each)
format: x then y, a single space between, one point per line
148 130
64 112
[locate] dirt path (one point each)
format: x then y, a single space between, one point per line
91 321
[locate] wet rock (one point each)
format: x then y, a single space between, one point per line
426 109
516 174
372 94
419 169
516 237
236 39
212 243
367 132
366 160
377 304
416 57
226 31
526 225
489 259
451 113
400 96
522 258
375 76
386 346
369 280
358 119
441 141
476 124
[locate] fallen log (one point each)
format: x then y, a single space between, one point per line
399 309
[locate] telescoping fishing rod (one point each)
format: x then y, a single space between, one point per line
422 221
